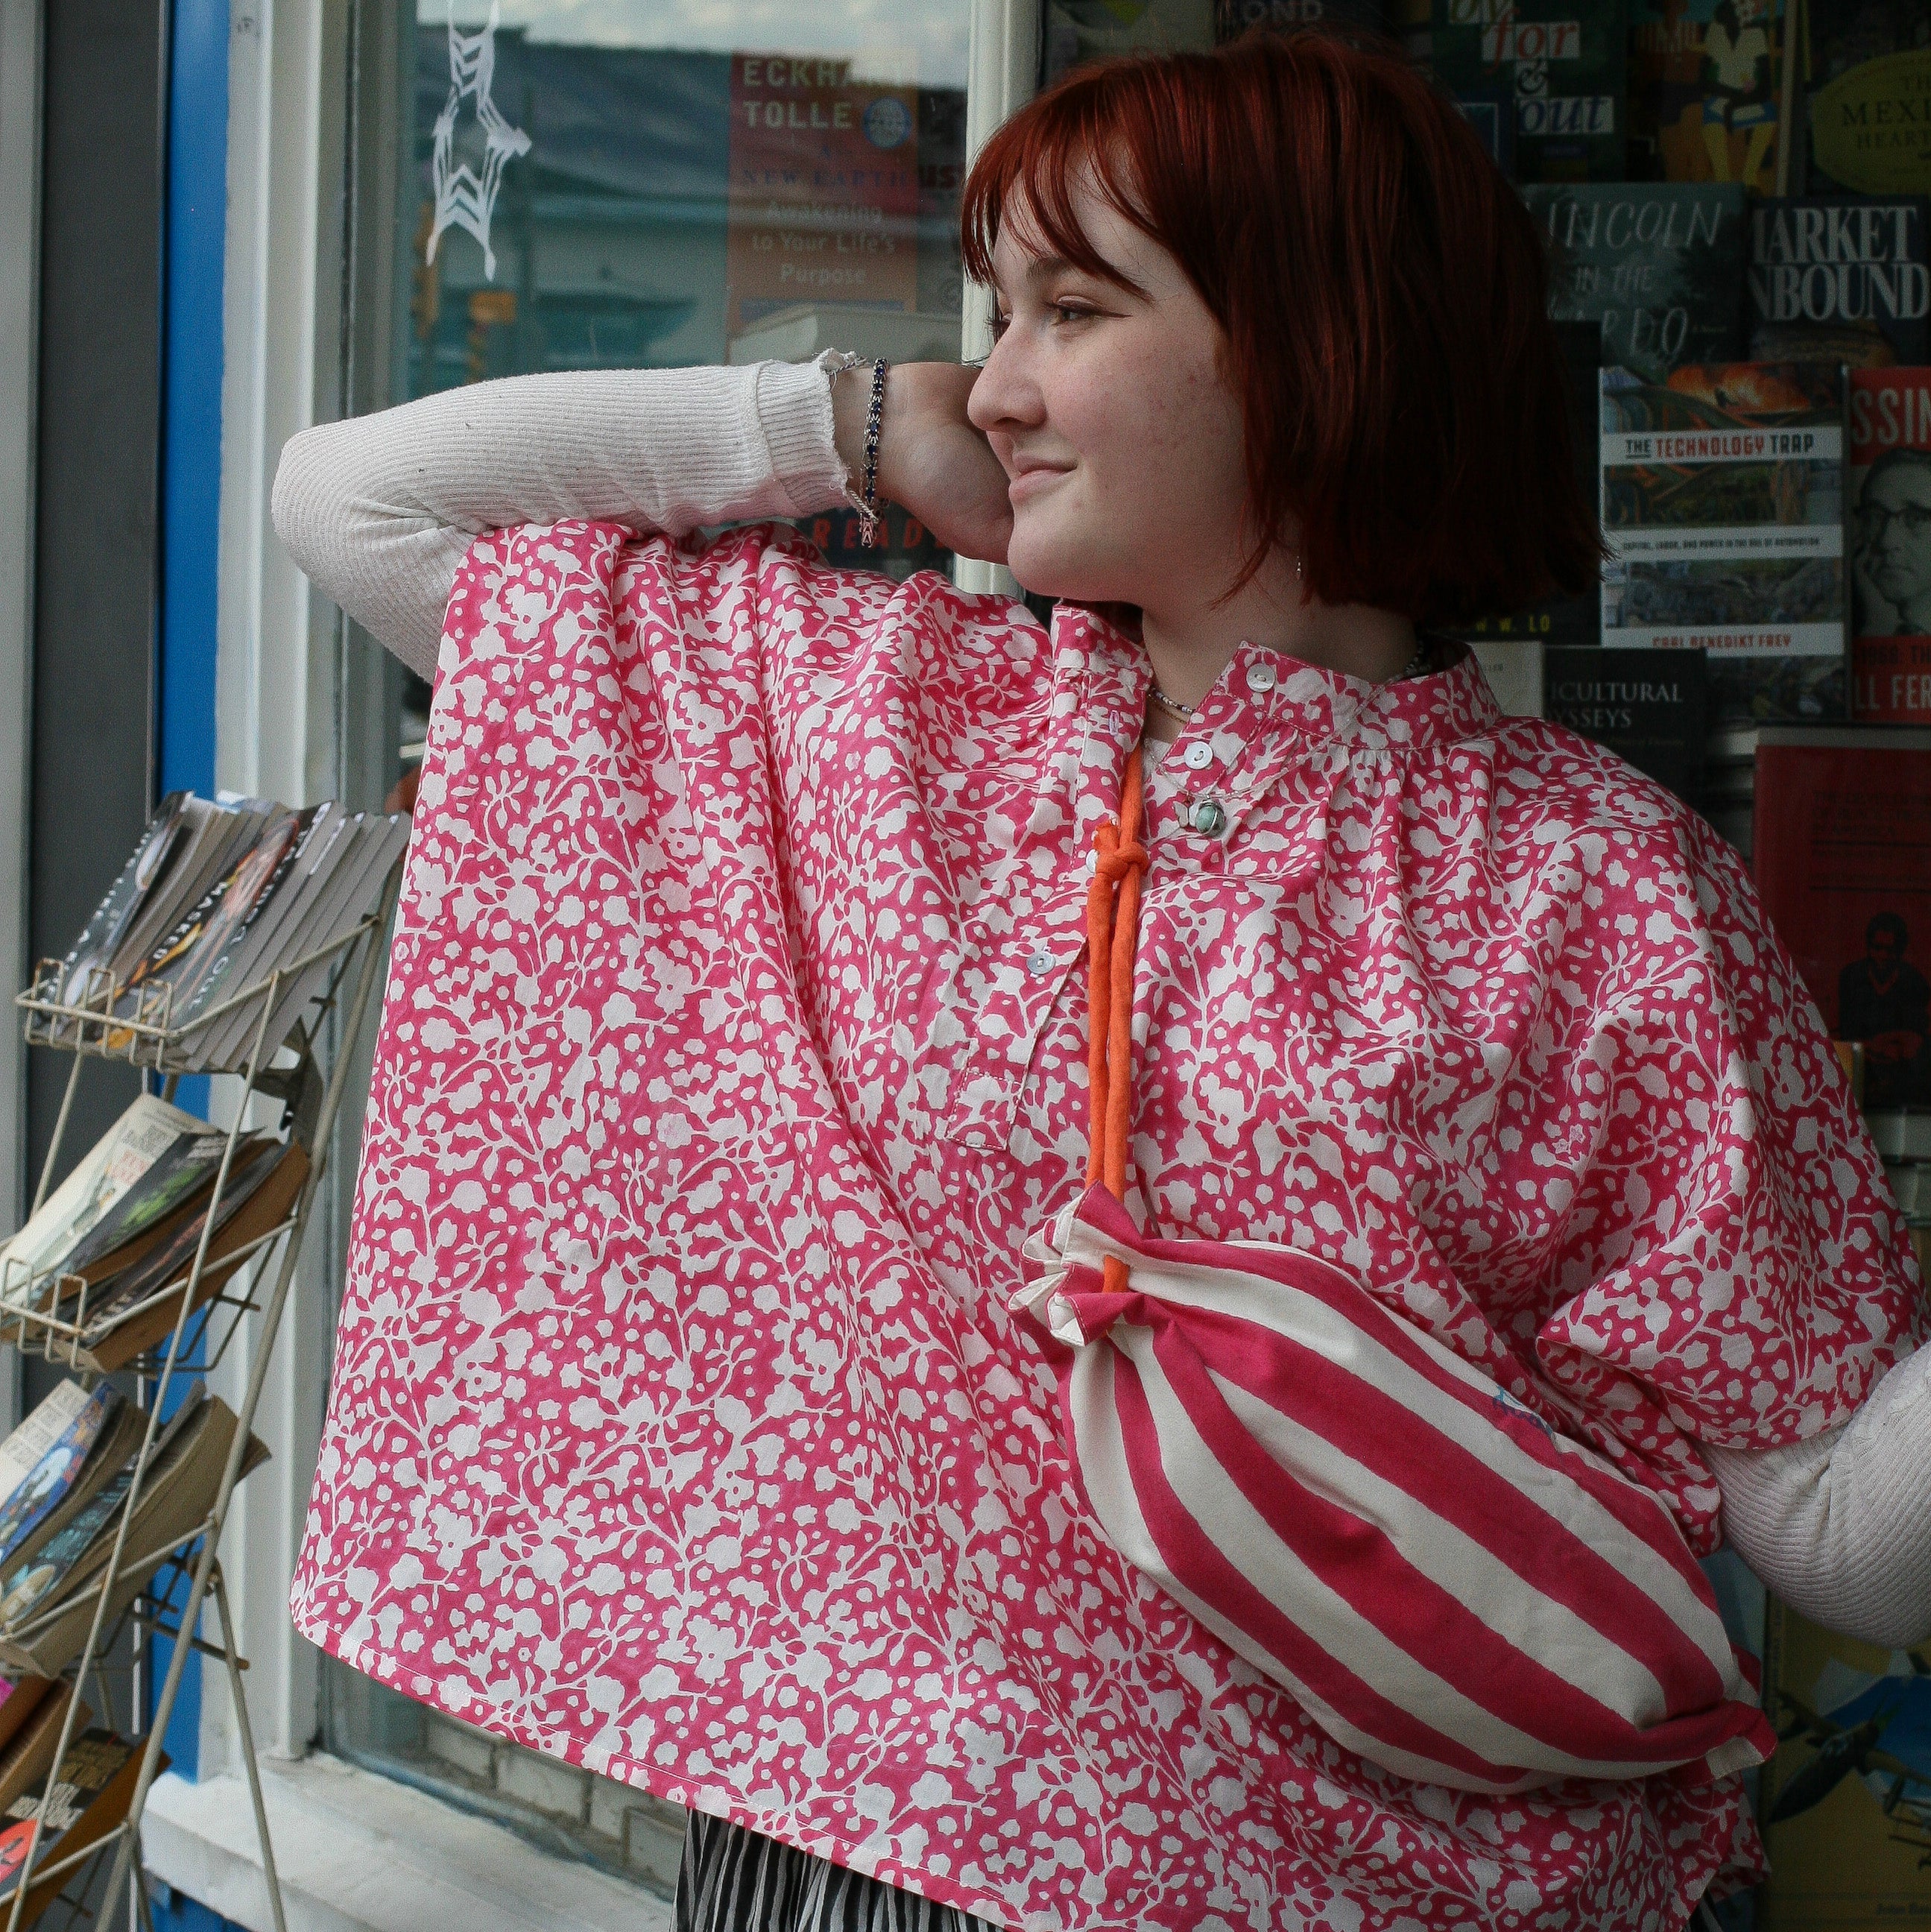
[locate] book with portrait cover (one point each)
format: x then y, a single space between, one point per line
1889 487
1544 81
1723 510
1842 855
1841 278
1645 705
1846 1803
1705 79
1866 70
1660 267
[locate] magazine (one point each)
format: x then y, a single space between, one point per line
91 1795
45 1486
142 1136
132 1311
1890 518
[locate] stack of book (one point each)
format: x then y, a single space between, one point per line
105 1263
66 1475
219 896
90 1796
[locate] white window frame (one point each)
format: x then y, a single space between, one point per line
354 1848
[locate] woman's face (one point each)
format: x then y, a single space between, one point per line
1122 446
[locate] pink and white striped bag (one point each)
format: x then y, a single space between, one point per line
1450 1588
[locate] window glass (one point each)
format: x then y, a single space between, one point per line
638 184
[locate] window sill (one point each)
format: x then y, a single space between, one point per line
358 1852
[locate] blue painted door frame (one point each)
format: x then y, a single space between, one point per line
193 253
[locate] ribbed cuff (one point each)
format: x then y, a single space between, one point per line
794 414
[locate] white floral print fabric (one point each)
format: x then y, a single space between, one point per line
733 1044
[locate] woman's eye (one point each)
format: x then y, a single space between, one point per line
1072 312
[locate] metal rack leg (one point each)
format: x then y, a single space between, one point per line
60 1135
271 1314
268 1872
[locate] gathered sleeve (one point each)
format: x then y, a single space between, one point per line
1732 1272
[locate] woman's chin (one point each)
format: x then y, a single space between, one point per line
1048 564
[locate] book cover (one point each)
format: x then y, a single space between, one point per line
1645 705
1723 510
1845 1803
91 1789
1564 620
1547 75
187 1170
46 1485
1889 487
1513 669
1705 79
1841 278
168 834
115 1162
1660 267
1842 855
1866 68
139 1308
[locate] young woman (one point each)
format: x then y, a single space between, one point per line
679 1426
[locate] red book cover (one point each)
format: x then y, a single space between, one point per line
1842 854
1889 520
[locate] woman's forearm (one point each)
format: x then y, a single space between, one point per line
379 509
1840 1527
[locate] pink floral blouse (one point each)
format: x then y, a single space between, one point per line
734 1043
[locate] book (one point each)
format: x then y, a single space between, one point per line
136 1310
1841 278
140 1138
1232 18
1867 72
82 1417
1660 267
26 1754
1647 707
120 1437
20 1698
46 1604
168 835
1842 856
1889 509
1564 620
1544 81
1845 1803
1513 667
258 889
181 964
1723 511
183 1174
1705 83
89 1795
1076 31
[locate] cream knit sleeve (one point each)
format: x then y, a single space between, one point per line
378 510
1840 1527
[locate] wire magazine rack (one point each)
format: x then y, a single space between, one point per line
253 1281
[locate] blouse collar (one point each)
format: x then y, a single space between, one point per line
1264 694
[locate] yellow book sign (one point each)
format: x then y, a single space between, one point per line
1871 128
1846 1801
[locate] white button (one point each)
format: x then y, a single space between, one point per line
1260 677
1039 962
1198 756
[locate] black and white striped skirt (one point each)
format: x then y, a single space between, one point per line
735 1880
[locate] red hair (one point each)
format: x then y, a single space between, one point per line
1381 289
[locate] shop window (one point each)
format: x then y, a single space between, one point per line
631 185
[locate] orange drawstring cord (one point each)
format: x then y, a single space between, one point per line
1112 931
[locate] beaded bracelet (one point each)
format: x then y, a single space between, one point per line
867 513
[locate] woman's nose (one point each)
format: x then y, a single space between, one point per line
1005 397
